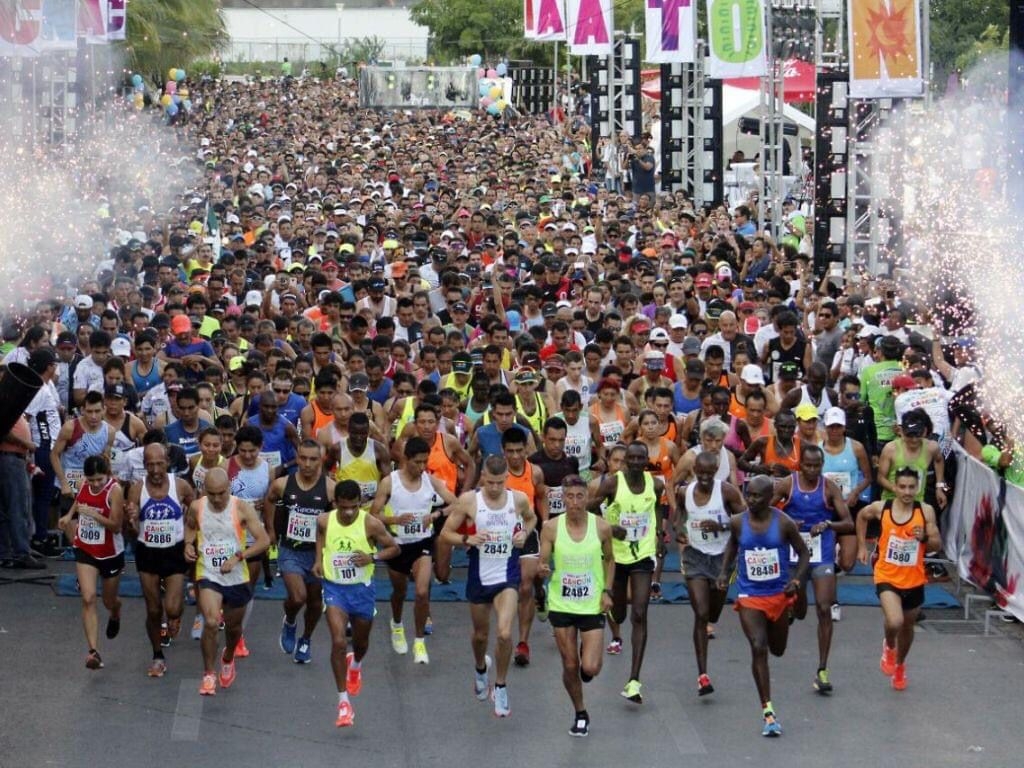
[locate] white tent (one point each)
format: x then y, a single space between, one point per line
741 102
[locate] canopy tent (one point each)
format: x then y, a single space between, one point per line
799 82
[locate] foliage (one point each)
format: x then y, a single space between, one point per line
163 34
964 31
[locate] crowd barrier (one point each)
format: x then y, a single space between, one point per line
984 533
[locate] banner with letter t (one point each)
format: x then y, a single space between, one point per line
671 31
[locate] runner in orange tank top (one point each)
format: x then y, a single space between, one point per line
778 454
909 531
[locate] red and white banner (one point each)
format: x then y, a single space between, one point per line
549 20
591 24
30 27
21 23
671 31
529 31
984 534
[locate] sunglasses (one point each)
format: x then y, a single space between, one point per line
282 391
851 395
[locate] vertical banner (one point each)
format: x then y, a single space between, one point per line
591 24
549 23
671 29
117 19
736 39
885 48
529 31
20 26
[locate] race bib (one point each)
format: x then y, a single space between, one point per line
697 533
344 569
273 458
74 478
91 532
637 526
161 533
762 564
414 531
577 586
497 546
843 479
301 527
902 552
216 552
813 546
575 446
611 432
555 504
368 490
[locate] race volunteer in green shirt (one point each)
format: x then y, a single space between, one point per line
876 386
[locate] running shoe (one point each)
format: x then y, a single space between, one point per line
822 684
165 636
287 639
522 657
419 652
157 668
190 594
241 650
481 686
542 605
501 707
227 673
899 677
209 685
398 642
888 662
704 686
771 728
710 631
580 725
428 628
346 715
113 626
632 692
93 660
303 654
614 647
197 626
655 592
837 612
353 677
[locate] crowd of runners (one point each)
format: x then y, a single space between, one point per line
362 341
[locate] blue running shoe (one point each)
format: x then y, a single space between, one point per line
287 641
302 653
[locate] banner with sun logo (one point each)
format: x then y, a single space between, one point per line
885 49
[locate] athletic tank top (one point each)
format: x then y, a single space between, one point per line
762 559
722 473
219 537
120 462
199 475
539 415
736 409
636 513
554 472
823 406
919 464
341 542
144 383
161 521
277 449
418 502
900 554
81 446
681 404
577 578
713 542
612 429
295 514
441 465
473 414
249 484
362 468
407 416
790 461
91 537
523 482
843 469
320 419
808 508
495 561
578 439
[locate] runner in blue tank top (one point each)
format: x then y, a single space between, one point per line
759 542
817 505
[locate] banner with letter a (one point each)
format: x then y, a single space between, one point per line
591 24
671 31
549 20
885 49
736 38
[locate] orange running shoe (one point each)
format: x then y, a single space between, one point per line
346 715
209 685
888 661
354 678
241 650
227 673
899 677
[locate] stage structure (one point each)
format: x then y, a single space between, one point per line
418 88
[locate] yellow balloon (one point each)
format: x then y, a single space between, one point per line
495 92
165 99
501 104
171 73
183 92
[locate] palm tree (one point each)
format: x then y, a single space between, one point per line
172 33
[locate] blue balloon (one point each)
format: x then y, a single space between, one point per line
475 60
501 69
172 109
493 110
176 99
485 87
187 104
137 81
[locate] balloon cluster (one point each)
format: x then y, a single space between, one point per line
139 94
176 96
491 88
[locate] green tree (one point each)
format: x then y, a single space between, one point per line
163 34
963 31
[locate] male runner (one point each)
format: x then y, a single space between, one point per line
215 530
290 512
347 542
817 505
581 545
408 501
908 531
633 511
705 507
502 521
155 508
767 583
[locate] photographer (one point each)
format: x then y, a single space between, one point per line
640 161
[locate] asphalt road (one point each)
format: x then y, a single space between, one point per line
962 706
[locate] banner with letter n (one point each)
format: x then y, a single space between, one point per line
736 39
671 30
885 49
591 24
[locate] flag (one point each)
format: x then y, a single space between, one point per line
591 24
736 38
549 22
20 24
671 30
529 30
117 19
885 49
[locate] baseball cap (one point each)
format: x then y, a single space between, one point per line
460 306
180 324
377 284
549 310
66 339
399 269
752 374
678 321
526 376
115 390
806 412
691 345
789 370
703 280
83 301
462 363
835 416
253 299
236 363
904 381
658 334
913 426
121 347
358 382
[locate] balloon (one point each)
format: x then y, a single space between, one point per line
485 87
179 75
495 92
171 87
137 80
176 99
492 73
171 73
187 104
475 60
481 72
172 109
501 104
166 99
139 101
183 92
486 101
493 110
501 69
